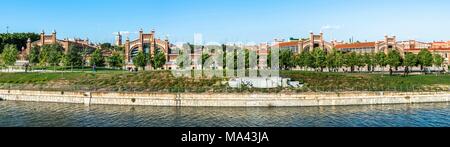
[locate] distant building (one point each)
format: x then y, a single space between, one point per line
368 47
300 45
52 39
365 47
384 45
148 43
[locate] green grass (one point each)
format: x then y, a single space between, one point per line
369 82
164 81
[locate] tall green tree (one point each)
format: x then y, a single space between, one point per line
205 56
380 60
51 54
319 59
339 60
334 60
115 60
141 60
409 61
97 59
159 60
269 59
393 59
182 59
17 39
369 60
286 59
361 61
33 57
9 55
106 46
73 57
296 61
351 60
305 60
425 58
331 60
438 60
224 55
247 58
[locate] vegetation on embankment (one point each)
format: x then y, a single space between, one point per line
164 81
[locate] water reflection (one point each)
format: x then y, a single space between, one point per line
74 115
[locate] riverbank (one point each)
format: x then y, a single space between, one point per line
165 82
227 99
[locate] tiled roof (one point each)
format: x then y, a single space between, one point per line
356 45
440 42
286 44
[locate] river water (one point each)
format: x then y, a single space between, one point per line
32 114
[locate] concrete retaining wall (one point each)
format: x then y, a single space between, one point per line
226 100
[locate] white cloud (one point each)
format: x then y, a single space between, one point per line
122 32
330 27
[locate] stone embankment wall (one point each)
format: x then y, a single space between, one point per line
227 99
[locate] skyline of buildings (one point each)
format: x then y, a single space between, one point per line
232 20
148 42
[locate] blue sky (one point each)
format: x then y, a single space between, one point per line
231 20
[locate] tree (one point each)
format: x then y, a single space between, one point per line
219 59
234 55
361 61
269 59
247 58
393 60
19 40
159 60
380 59
339 57
224 55
33 57
106 46
73 57
305 59
438 60
286 59
115 60
409 61
369 60
425 58
205 56
97 59
182 59
54 56
319 58
118 48
140 60
296 61
50 54
331 60
9 55
350 60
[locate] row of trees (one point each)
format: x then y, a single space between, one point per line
19 40
318 60
54 55
208 53
156 61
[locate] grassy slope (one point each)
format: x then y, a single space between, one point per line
364 81
164 81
